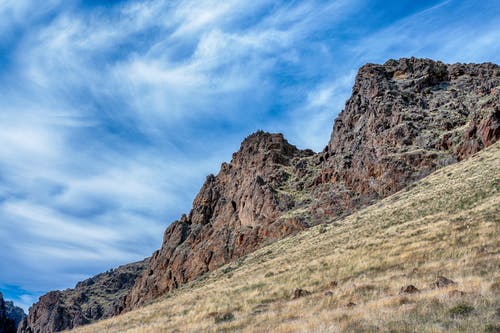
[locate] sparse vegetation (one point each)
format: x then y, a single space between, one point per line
228 316
461 310
446 225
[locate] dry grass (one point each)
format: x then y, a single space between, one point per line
447 224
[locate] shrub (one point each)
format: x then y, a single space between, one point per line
228 316
461 310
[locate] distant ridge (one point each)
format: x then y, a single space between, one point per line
10 316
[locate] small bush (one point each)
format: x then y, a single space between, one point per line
228 316
227 269
461 310
492 328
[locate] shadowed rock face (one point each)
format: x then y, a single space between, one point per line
404 119
7 323
93 299
14 313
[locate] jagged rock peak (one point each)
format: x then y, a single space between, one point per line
234 213
405 119
261 145
7 325
98 297
261 142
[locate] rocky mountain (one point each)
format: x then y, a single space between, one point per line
14 312
234 213
96 298
8 317
405 119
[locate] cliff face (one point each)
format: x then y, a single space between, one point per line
7 323
93 299
233 214
404 119
14 313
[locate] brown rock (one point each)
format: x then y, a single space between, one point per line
410 289
404 120
332 285
298 293
93 299
455 293
328 293
442 282
234 214
350 305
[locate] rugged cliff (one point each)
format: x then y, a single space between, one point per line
96 298
404 119
14 313
233 214
7 321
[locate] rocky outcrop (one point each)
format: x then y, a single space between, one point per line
234 213
96 298
7 323
14 312
405 119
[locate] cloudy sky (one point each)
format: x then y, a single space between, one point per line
113 112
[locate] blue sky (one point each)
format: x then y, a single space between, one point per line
113 112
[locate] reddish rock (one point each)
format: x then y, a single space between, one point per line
96 298
404 120
298 293
442 282
410 289
332 285
456 293
234 213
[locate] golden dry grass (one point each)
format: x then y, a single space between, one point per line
446 224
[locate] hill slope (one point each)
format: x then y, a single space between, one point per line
404 120
446 224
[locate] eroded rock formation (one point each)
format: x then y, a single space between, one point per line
7 322
96 298
404 120
234 213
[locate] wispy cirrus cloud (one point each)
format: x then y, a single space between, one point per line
111 114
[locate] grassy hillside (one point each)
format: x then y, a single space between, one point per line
447 224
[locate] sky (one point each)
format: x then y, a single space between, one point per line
112 113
